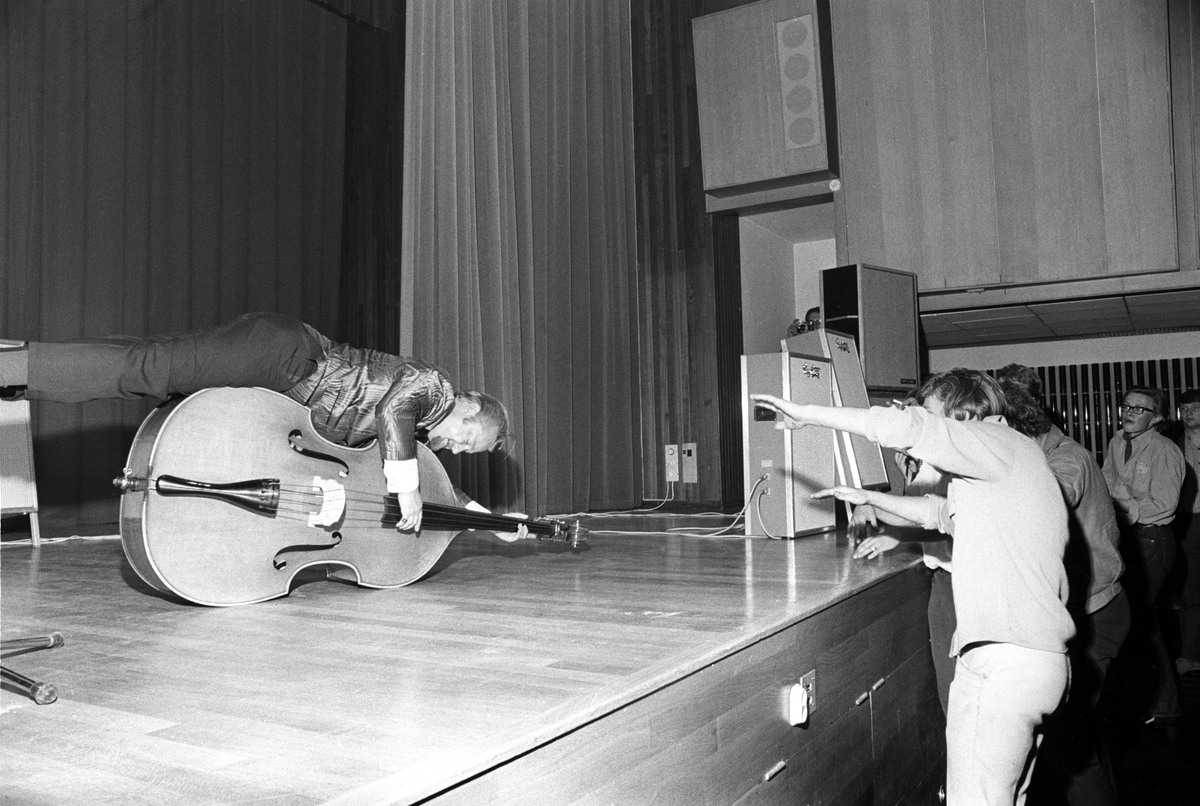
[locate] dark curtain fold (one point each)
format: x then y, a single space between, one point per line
518 244
380 15
168 165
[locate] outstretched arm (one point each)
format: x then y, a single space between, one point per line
467 502
840 418
897 510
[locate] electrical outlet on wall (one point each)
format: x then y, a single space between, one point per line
671 462
687 463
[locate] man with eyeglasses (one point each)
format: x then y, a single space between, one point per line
1144 471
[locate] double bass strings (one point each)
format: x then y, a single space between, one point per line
299 502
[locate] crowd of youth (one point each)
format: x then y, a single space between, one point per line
1045 566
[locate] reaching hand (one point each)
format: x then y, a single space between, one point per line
410 511
851 495
862 521
521 533
792 412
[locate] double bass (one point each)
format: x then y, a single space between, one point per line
229 493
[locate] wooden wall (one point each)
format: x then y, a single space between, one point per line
688 267
982 143
1184 20
1002 142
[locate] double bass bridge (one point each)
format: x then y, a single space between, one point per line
333 502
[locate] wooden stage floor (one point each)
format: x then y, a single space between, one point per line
339 694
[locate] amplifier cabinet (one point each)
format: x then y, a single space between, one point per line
795 463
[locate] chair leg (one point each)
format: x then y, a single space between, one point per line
39 692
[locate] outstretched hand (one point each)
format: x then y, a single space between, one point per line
522 531
792 413
851 495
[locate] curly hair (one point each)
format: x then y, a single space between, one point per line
965 394
1022 392
1024 412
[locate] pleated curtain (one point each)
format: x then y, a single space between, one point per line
518 238
165 166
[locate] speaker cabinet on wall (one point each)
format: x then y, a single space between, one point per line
764 85
878 307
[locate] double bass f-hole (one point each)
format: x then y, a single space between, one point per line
281 563
294 439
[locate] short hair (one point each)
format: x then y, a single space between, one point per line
1022 399
1155 394
966 394
1190 396
490 412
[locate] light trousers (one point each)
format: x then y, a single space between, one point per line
1000 695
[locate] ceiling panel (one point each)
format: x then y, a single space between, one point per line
1063 318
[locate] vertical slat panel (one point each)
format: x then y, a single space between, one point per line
1084 399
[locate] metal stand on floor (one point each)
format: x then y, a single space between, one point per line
41 693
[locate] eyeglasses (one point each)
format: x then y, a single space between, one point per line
1191 408
1138 410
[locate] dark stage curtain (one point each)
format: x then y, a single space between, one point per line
168 165
518 245
380 15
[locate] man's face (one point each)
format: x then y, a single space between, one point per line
462 433
1138 413
1191 416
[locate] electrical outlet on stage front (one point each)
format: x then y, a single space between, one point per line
671 462
687 463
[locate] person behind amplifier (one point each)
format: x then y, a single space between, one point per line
811 322
1144 472
354 395
1074 753
1009 526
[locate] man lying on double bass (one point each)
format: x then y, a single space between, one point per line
354 395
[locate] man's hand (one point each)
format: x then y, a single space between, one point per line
862 521
410 511
851 495
522 530
874 546
508 537
792 412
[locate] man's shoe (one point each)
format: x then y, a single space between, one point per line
1186 665
1161 721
